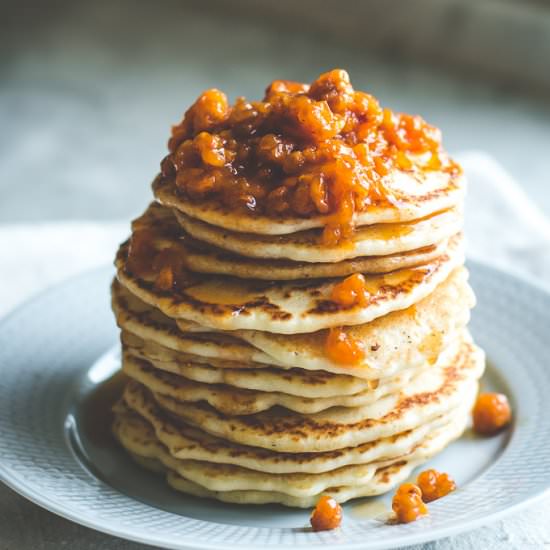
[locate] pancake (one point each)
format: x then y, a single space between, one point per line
375 247
149 324
137 435
209 255
230 400
300 382
202 258
139 438
397 341
415 196
295 307
134 433
430 395
401 340
383 481
186 442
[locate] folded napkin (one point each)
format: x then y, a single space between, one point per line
503 228
34 256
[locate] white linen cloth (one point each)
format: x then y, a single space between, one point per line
503 227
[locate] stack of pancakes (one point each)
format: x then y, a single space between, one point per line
232 390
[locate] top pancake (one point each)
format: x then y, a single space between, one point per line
416 195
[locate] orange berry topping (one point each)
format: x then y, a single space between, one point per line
351 291
303 150
326 515
491 413
407 503
434 484
141 253
343 349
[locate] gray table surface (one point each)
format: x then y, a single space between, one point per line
87 93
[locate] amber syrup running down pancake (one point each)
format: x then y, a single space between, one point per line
97 410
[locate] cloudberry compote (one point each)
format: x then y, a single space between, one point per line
407 503
351 291
303 150
169 268
141 253
326 515
491 413
434 484
342 348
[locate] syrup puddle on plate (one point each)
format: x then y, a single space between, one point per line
375 509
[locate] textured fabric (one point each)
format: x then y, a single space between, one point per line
503 227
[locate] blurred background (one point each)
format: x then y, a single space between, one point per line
88 90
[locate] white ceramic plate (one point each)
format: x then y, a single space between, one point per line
56 349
